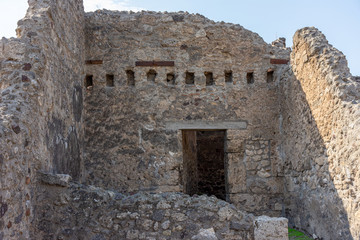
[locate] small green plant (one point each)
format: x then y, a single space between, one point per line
297 235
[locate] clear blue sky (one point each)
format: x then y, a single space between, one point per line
339 20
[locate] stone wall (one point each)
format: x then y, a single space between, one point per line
16 137
291 131
41 107
57 29
220 74
320 126
73 211
264 189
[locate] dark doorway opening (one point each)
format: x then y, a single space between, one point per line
204 165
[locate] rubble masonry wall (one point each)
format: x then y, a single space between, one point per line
86 212
295 154
320 127
41 107
129 145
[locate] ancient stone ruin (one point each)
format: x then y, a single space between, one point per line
148 125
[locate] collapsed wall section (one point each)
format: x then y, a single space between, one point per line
150 75
320 126
41 107
69 210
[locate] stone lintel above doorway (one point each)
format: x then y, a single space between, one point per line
205 125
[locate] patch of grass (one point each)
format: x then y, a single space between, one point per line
297 235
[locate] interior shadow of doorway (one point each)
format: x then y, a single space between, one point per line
203 159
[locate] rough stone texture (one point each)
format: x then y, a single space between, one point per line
205 234
86 212
128 144
320 126
55 179
267 228
291 130
41 76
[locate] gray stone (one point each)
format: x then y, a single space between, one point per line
78 101
165 225
132 234
225 213
158 215
62 180
235 226
205 234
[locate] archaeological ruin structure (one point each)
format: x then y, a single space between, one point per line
150 125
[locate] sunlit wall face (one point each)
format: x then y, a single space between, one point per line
273 19
269 22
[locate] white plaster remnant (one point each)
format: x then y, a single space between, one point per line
269 228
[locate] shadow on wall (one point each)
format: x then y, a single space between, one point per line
65 142
65 148
312 200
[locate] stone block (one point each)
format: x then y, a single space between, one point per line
268 228
277 166
257 204
263 173
235 134
235 158
250 202
251 165
236 173
205 234
62 180
225 213
235 145
264 186
278 207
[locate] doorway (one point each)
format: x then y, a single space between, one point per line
204 165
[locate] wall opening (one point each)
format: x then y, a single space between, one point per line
189 78
250 78
151 75
170 78
228 77
209 78
109 80
130 77
89 81
270 76
203 159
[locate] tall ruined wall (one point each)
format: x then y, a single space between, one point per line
320 126
41 107
133 123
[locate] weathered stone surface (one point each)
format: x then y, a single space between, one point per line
38 71
205 234
135 130
99 212
321 109
74 102
254 203
268 228
62 180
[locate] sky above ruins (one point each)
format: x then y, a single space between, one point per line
338 20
